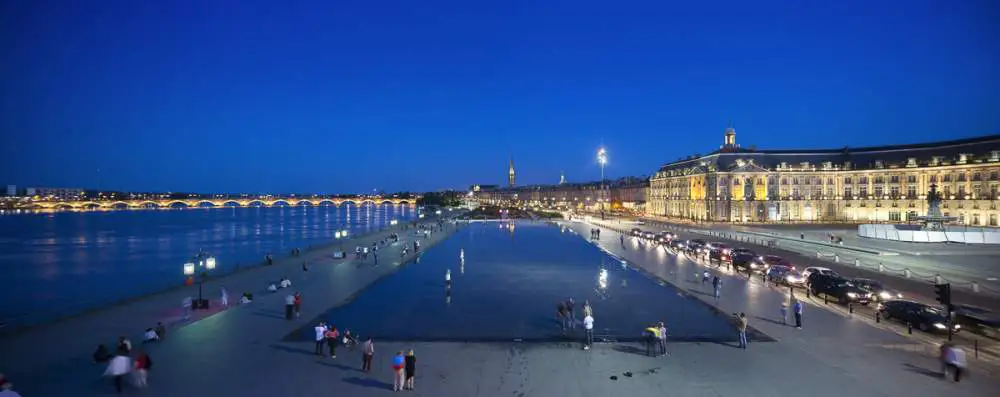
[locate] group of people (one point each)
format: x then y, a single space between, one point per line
567 318
656 339
153 334
120 363
595 233
329 335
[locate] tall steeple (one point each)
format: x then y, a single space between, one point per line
730 142
510 174
562 177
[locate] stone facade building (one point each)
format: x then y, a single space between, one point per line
857 185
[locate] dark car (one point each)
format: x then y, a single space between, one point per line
665 237
697 247
923 317
719 252
879 292
978 321
745 259
636 232
840 289
677 244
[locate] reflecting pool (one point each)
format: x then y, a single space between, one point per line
506 282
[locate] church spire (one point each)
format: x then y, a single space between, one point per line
510 174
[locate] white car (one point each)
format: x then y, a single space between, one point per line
820 270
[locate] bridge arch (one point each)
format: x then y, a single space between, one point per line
203 202
327 201
231 203
305 202
260 203
171 204
275 202
149 204
63 206
118 204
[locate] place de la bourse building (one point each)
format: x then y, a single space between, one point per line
870 184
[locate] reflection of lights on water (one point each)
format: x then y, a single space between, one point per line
602 279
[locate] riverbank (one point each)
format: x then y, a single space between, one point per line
56 348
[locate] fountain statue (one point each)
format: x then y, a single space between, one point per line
935 220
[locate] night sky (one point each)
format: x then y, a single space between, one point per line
350 96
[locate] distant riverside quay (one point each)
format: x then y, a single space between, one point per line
207 202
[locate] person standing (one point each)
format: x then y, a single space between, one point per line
331 340
741 325
716 285
705 276
186 304
399 376
663 338
571 310
142 366
411 369
652 334
561 315
367 352
797 309
587 309
224 298
125 345
320 337
588 327
289 306
118 367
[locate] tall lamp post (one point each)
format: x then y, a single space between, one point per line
602 157
200 266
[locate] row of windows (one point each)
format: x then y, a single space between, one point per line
861 180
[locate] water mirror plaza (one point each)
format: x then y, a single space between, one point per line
508 286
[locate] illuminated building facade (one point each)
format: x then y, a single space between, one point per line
857 185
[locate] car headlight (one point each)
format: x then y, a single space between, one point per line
852 295
884 295
940 326
753 265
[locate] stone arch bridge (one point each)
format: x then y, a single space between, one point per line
209 203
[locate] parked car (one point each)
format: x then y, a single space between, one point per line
879 292
923 317
677 244
719 252
785 275
648 235
746 260
636 232
840 289
821 270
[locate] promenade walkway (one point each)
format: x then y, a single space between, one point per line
63 349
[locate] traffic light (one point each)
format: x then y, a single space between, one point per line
943 292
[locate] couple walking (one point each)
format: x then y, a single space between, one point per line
404 369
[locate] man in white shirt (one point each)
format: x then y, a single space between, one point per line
953 359
289 306
320 337
150 336
588 326
186 303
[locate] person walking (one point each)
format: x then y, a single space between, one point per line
331 340
298 304
797 309
716 285
399 375
289 306
320 338
411 370
142 366
588 327
367 352
952 361
705 276
118 367
741 325
784 312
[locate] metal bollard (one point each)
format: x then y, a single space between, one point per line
878 316
937 279
909 328
850 308
826 299
836 258
975 286
857 263
906 272
881 268
817 254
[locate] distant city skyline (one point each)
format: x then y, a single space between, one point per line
342 98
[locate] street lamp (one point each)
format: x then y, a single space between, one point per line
206 263
602 157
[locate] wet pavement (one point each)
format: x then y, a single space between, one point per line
508 288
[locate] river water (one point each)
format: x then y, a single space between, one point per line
62 263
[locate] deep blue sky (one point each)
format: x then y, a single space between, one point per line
347 96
